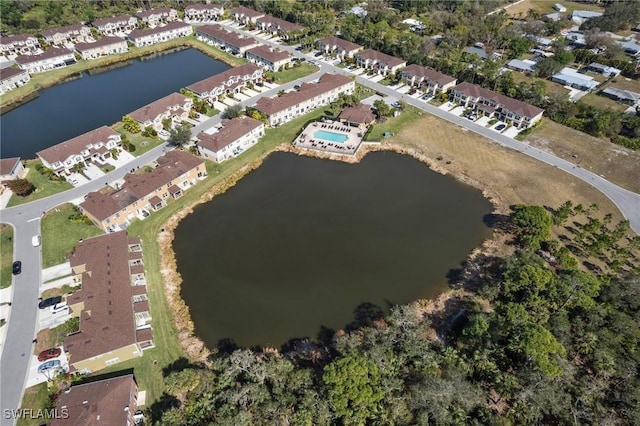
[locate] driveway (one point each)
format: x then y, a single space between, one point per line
35 378
93 172
511 132
124 158
483 121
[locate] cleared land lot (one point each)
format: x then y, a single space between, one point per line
601 101
546 6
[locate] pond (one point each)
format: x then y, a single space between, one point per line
299 243
98 98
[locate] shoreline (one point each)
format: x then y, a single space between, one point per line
191 344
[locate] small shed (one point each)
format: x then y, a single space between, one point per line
357 116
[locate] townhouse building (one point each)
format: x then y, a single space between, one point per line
22 44
11 78
230 81
11 168
339 47
159 16
94 145
519 114
114 209
174 106
380 62
203 12
236 136
112 401
122 24
431 81
149 36
268 58
112 303
244 15
310 96
284 29
232 42
52 58
68 34
107 45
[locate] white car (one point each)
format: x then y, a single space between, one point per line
35 240
59 307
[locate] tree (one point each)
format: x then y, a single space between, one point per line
166 123
354 388
20 187
180 135
533 225
382 108
233 111
130 125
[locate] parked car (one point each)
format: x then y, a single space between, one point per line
472 117
49 302
17 267
59 307
49 365
297 87
35 240
500 127
48 354
396 104
317 55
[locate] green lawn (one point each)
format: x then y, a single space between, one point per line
6 255
60 236
363 92
35 397
142 143
44 186
393 124
601 101
294 73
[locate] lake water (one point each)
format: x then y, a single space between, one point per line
89 101
300 242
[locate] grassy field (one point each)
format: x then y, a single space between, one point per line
35 396
6 255
552 88
625 84
546 6
60 236
616 163
142 143
44 186
294 73
600 101
393 124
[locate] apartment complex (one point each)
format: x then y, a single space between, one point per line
107 45
122 24
69 34
155 17
11 78
237 135
23 44
51 59
380 62
282 109
244 15
149 36
112 303
284 29
230 81
174 106
517 113
203 12
268 58
113 210
430 80
234 43
94 145
342 48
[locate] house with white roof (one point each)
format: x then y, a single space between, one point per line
621 95
572 78
559 7
630 47
236 136
526 66
581 16
416 26
604 69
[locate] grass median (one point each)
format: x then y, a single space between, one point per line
6 255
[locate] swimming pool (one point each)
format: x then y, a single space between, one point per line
330 136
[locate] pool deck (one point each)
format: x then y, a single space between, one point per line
354 135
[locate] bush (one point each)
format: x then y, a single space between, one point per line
20 187
632 143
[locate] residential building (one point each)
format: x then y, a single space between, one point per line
230 81
268 58
111 304
113 210
358 11
482 53
415 25
122 24
155 17
357 116
381 62
69 34
559 7
572 78
542 43
237 135
94 145
284 29
554 17
52 58
11 168
580 16
517 113
174 106
244 15
630 47
526 66
310 96
625 96
22 44
112 401
11 78
203 12
431 81
149 36
342 48
604 69
107 45
232 42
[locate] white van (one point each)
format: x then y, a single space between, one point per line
35 240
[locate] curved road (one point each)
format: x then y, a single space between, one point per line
26 222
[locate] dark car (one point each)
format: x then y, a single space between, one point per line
317 55
48 354
49 302
500 127
17 267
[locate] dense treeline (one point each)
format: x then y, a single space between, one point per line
534 338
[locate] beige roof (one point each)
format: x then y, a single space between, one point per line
52 52
107 322
104 41
343 44
232 131
64 150
101 402
155 108
230 38
280 24
358 114
140 32
241 10
170 166
514 105
8 164
374 55
63 30
114 20
428 73
307 91
218 80
271 55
